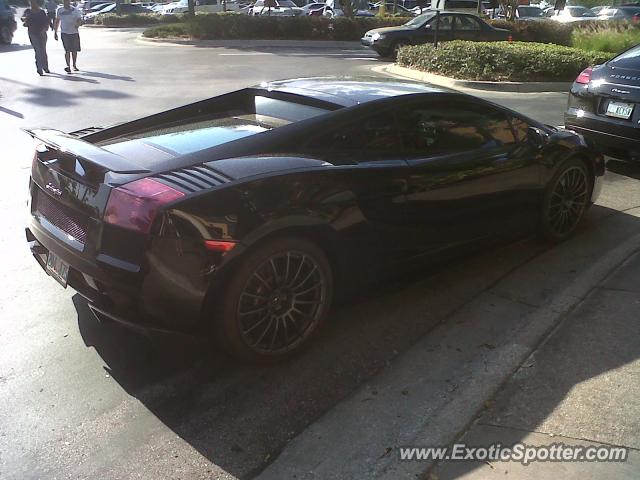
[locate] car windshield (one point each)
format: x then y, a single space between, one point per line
420 20
529 12
286 3
580 12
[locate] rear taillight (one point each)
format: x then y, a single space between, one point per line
134 205
222 246
585 76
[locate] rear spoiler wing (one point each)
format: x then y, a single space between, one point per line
85 151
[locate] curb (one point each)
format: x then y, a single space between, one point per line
433 391
516 87
251 43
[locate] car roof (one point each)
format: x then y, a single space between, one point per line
349 91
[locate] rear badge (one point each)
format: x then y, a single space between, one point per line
55 191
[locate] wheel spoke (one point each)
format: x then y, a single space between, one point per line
251 312
264 333
262 280
295 277
255 325
275 334
276 277
313 270
253 295
281 302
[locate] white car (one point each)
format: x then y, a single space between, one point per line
173 8
573 14
282 8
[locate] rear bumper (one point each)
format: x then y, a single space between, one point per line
113 292
614 137
610 144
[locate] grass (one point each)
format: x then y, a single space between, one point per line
614 38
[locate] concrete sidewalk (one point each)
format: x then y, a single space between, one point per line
581 387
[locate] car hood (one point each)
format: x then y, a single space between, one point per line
385 30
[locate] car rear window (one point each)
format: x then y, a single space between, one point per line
628 59
201 133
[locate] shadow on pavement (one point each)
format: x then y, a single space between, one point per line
579 388
301 51
106 76
13 47
54 97
71 77
240 416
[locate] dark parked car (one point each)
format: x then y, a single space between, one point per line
244 215
603 104
453 26
8 23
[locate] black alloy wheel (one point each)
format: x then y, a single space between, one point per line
277 300
566 200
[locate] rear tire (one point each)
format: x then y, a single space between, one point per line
566 200
275 302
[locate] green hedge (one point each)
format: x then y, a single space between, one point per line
612 37
233 26
542 31
172 30
501 61
135 19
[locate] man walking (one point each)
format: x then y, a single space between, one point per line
68 18
51 6
37 25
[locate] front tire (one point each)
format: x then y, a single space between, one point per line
276 301
566 200
395 50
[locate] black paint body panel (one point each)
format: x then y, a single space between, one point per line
370 212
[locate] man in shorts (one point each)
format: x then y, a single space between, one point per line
69 18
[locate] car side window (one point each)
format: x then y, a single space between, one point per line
440 129
446 22
520 129
467 24
374 137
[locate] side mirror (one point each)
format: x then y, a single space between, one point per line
536 137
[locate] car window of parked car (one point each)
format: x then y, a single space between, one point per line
446 22
374 137
420 20
434 129
467 24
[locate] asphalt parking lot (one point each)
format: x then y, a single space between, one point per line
79 399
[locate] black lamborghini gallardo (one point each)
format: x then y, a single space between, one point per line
244 215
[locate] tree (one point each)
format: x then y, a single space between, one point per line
509 8
192 7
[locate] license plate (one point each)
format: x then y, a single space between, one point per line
57 269
619 110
